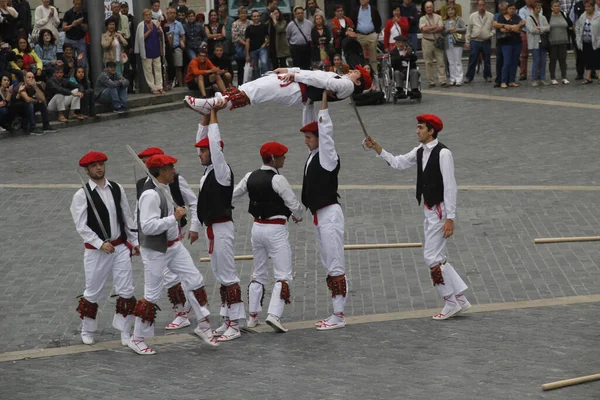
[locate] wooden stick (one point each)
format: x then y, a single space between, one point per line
346 247
567 239
570 382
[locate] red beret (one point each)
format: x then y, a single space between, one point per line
150 151
205 143
92 157
273 149
312 127
160 160
366 77
432 120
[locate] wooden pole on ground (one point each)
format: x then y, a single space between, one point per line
567 239
570 382
371 246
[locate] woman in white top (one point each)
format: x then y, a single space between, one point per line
537 25
46 17
454 27
587 33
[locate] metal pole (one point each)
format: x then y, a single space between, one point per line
96 18
138 16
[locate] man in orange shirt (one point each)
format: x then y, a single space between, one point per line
201 72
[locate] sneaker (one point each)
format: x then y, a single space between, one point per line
253 321
543 83
2 129
534 83
565 82
203 106
554 82
514 84
458 84
49 129
232 332
140 347
87 338
275 323
206 335
221 329
334 322
504 86
180 321
125 338
35 132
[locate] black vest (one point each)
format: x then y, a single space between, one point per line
175 193
430 183
319 187
316 94
214 200
264 201
92 222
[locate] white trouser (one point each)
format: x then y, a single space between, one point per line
330 239
223 265
152 72
454 55
60 102
268 89
179 261
434 251
269 241
97 265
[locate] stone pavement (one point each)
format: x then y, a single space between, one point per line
495 356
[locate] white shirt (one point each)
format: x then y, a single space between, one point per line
446 168
219 165
394 32
328 157
79 213
150 221
343 86
280 185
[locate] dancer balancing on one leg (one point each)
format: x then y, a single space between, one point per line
288 87
436 185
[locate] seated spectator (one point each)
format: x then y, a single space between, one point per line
397 25
9 23
322 50
201 73
257 46
16 74
404 61
62 94
46 17
195 35
113 44
46 50
339 67
111 88
31 97
148 45
215 31
339 25
6 92
88 106
31 61
279 48
68 61
223 63
6 56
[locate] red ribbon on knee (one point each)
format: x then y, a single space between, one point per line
211 239
315 220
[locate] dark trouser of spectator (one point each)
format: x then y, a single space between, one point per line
301 56
279 62
414 40
558 52
524 56
240 70
510 53
499 63
80 47
117 97
484 48
29 120
4 117
591 60
88 103
579 63
170 62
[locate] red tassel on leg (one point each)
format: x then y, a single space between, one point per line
87 308
146 310
125 306
234 294
201 296
285 292
176 295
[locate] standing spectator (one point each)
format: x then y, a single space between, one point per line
46 17
157 13
9 23
176 42
24 10
298 36
321 43
536 26
312 9
181 15
238 34
509 27
368 25
6 92
266 15
278 45
257 45
450 3
560 26
575 13
339 25
496 24
479 41
148 46
62 94
46 50
410 11
122 20
131 65
227 21
31 61
69 63
111 88
454 25
215 31
395 26
223 63
432 26
587 32
32 98
113 44
202 73
524 13
88 102
75 26
195 35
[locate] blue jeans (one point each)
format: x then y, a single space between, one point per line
115 96
511 54
479 47
539 64
81 48
259 55
30 114
191 53
414 40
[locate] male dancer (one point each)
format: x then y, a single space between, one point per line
215 211
288 87
161 247
436 185
108 238
320 196
272 202
183 196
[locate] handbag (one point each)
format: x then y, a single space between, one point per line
459 38
544 39
124 57
247 72
438 42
